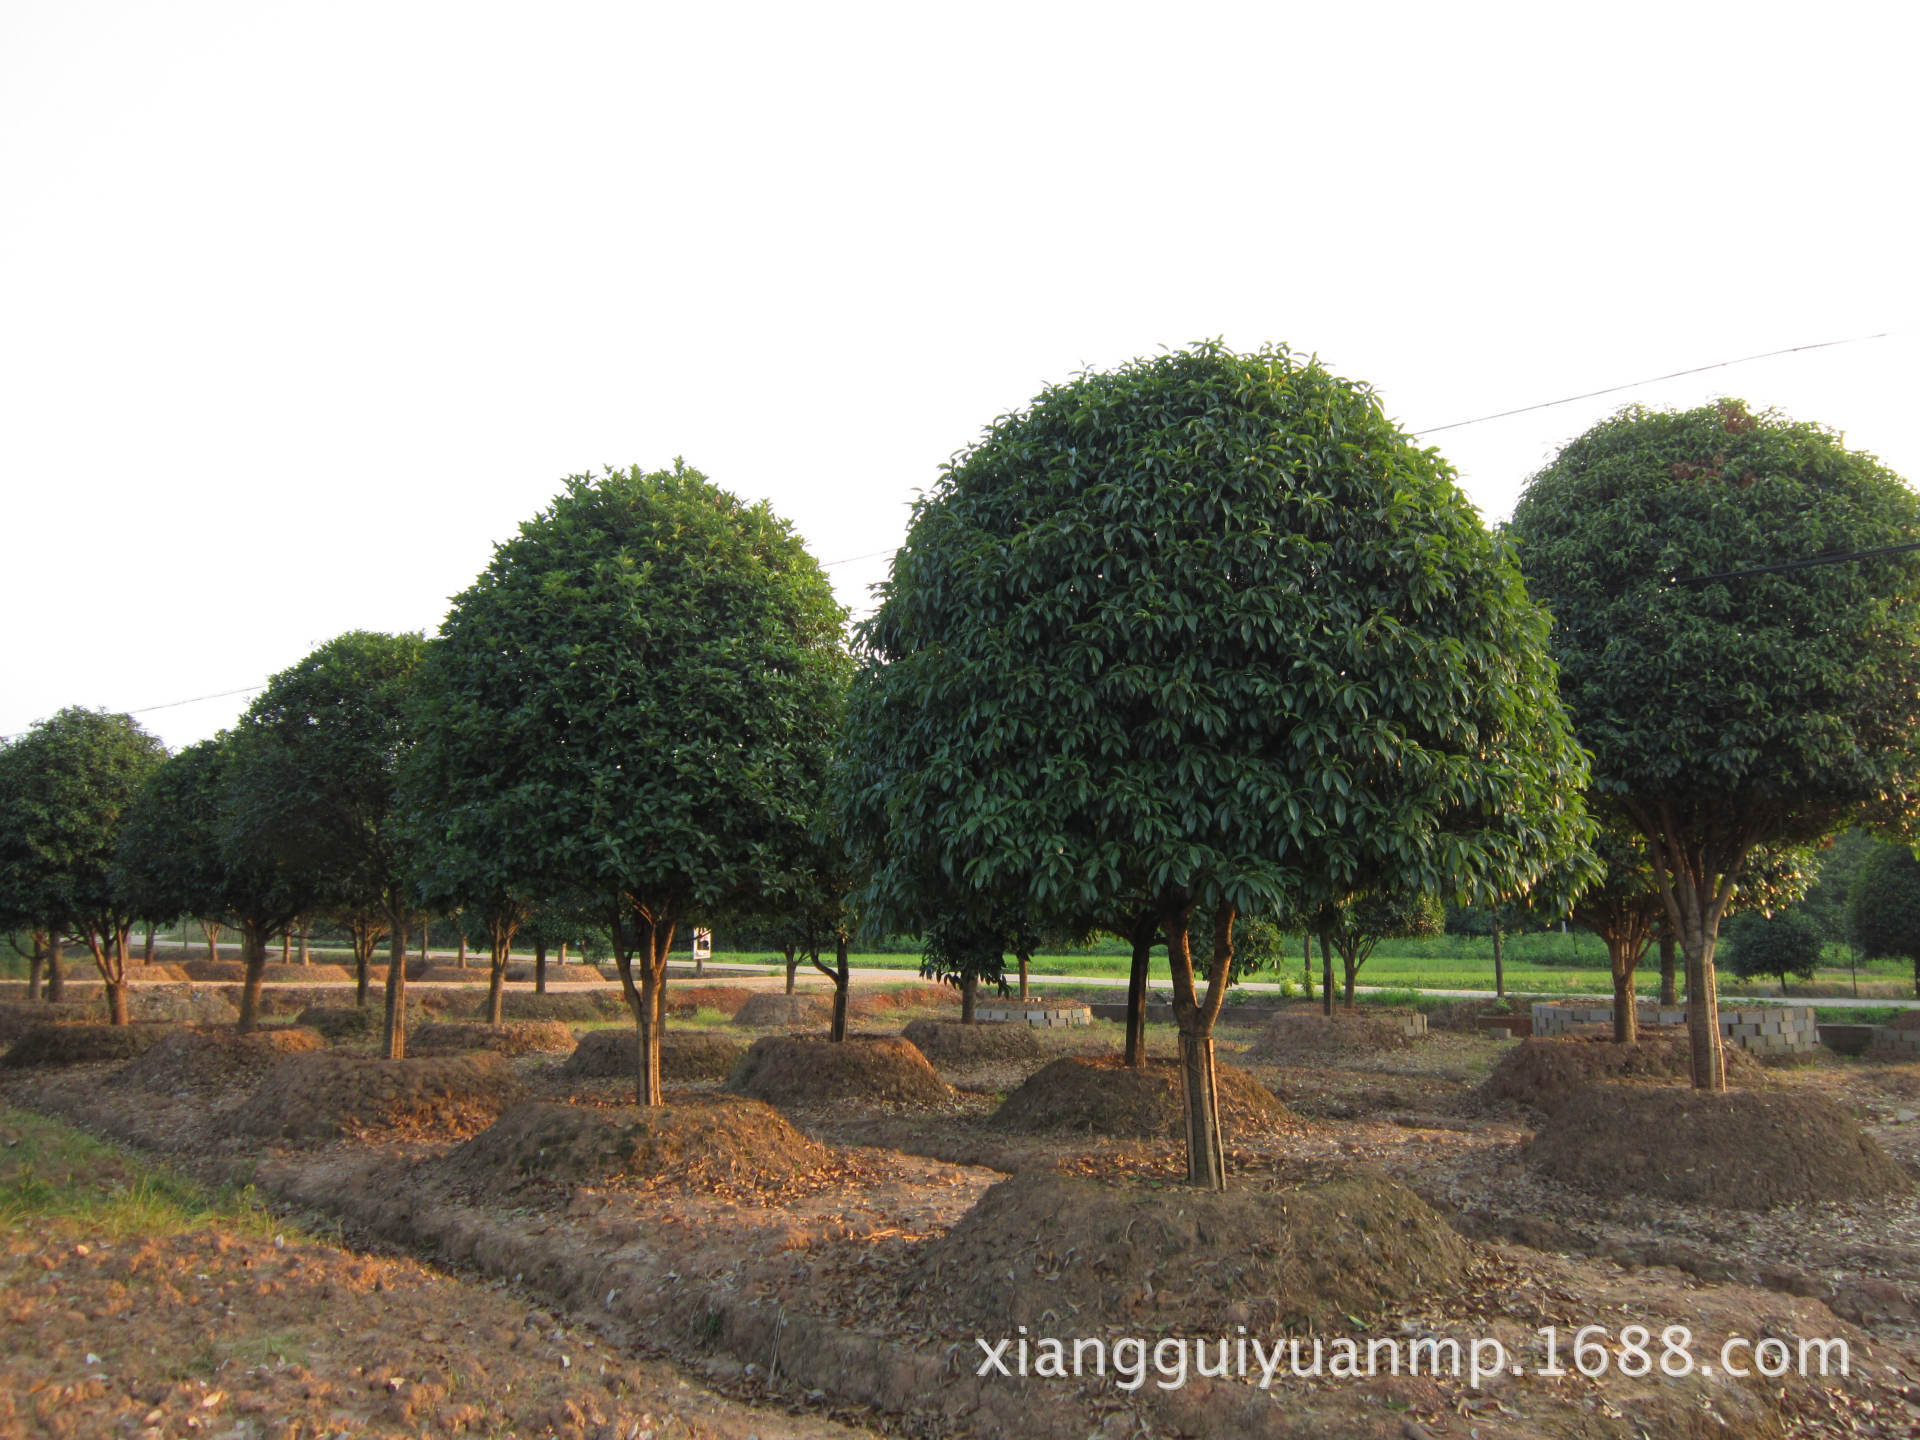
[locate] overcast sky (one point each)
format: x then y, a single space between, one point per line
304 308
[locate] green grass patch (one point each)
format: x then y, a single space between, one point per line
54 1177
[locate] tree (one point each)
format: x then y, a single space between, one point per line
1883 910
1726 712
1205 632
64 788
630 704
1353 931
966 950
326 738
1783 945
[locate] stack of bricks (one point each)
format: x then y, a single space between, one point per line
1899 1040
1034 1012
1763 1029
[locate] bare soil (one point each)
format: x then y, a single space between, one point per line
1102 1096
947 1042
314 1099
80 1044
273 972
689 999
685 1055
514 1037
1308 1033
197 1059
575 1007
1546 1075
1744 1149
807 1071
346 1024
768 1011
880 1004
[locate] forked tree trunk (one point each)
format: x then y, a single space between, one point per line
539 967
500 939
792 956
364 937
1350 963
253 955
1695 901
1622 961
110 959
1144 929
393 1034
1206 1154
56 969
647 998
211 929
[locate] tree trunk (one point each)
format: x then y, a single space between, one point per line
500 939
970 990
253 955
1667 995
146 954
36 964
1306 964
56 970
840 989
646 997
306 943
286 946
363 938
562 958
211 929
110 959
1206 1154
1025 960
393 1034
1695 899
1626 1013
1326 976
792 954
426 931
1499 963
463 951
1350 964
539 967
1144 929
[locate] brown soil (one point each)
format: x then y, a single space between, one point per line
19 1016
312 1099
1102 1096
181 1004
685 1055
345 1023
159 971
1309 1250
1744 1149
767 1011
516 1037
710 1143
575 1007
81 1044
273 973
798 1071
727 999
1545 1075
903 997
948 1042
1905 1020
1290 1039
213 1058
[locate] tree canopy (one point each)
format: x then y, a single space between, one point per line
1207 630
1728 712
634 704
1883 909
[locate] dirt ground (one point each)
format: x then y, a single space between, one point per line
808 1286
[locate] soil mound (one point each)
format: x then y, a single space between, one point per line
709 1143
798 1071
158 971
214 970
312 1099
767 1011
570 1007
903 997
947 1042
272 973
1545 1075
19 1016
1309 1035
1102 1096
196 1059
515 1037
1041 1245
347 1023
1744 1149
181 1004
685 1055
80 1044
450 974
689 999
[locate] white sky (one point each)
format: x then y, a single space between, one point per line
304 307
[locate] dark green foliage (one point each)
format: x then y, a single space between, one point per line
1883 910
1354 930
1786 945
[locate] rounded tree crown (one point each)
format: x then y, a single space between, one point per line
1206 626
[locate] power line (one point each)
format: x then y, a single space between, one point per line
1653 380
1837 557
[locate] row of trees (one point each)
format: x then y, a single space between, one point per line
1189 653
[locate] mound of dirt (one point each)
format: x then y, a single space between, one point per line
1744 1149
1545 1075
1041 1245
141 974
806 1071
767 1011
690 999
210 1059
273 972
1102 1096
515 1037
347 1023
449 974
709 1143
903 997
685 1055
19 1016
572 1007
946 1042
80 1044
1306 1035
181 1004
312 1099
214 970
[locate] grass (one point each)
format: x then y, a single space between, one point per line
56 1179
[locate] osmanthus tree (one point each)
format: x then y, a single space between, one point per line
1883 908
1786 944
65 787
187 848
1732 696
632 705
324 742
1353 930
1207 631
